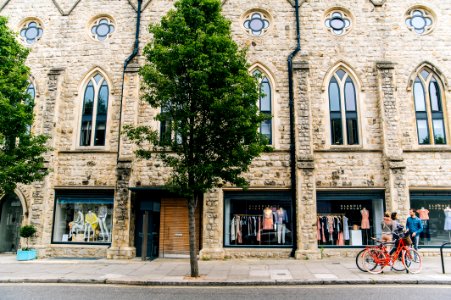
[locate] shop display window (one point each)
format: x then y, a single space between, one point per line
348 220
258 220
83 219
435 215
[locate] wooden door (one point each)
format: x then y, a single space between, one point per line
174 230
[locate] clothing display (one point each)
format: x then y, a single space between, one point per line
447 219
332 229
423 213
268 219
365 224
244 226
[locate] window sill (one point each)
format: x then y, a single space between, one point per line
430 148
345 148
87 150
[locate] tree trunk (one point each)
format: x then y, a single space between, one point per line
192 236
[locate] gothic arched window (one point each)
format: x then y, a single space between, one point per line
265 104
94 112
343 110
429 109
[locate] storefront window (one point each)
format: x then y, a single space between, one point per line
258 219
434 210
348 219
83 219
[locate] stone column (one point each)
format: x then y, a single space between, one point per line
41 204
121 244
307 245
396 187
213 218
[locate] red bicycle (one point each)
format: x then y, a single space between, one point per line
359 259
376 259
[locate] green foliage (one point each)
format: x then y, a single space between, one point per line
199 78
27 232
20 152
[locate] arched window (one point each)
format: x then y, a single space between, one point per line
265 104
343 110
429 109
31 91
94 112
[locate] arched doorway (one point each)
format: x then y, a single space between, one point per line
10 220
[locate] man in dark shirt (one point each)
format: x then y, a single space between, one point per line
414 227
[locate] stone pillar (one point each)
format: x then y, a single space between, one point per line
307 245
41 203
396 187
122 239
213 218
122 244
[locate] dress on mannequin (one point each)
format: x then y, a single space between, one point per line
423 213
281 220
268 222
447 212
91 222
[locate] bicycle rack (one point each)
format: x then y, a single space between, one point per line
441 255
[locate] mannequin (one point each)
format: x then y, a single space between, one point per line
365 224
268 222
447 226
103 212
76 224
91 222
281 220
423 213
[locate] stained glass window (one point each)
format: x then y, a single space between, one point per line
102 29
31 32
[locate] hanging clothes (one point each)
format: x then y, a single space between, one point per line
345 228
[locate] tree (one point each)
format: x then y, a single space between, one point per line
197 75
21 158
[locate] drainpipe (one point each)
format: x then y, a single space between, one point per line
126 62
292 129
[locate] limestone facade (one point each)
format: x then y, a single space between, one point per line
377 50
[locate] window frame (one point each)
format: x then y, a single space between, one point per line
263 77
429 114
343 114
94 115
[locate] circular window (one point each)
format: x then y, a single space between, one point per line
31 31
256 23
102 29
419 20
338 22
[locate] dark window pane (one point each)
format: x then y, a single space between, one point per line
86 122
352 131
85 135
334 95
165 129
350 95
102 104
337 134
418 92
265 129
102 109
439 131
423 132
99 139
265 100
434 94
31 91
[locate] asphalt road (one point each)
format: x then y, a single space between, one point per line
113 292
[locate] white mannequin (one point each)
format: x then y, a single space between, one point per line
76 224
103 212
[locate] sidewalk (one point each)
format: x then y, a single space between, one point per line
336 270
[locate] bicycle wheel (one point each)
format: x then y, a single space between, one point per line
371 259
412 260
359 260
398 264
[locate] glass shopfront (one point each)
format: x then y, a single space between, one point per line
434 210
348 218
83 218
258 219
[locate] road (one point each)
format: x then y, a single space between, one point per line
113 292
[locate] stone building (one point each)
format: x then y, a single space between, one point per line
358 91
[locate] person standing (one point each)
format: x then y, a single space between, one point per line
387 228
414 227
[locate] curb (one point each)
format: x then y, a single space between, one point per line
227 283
